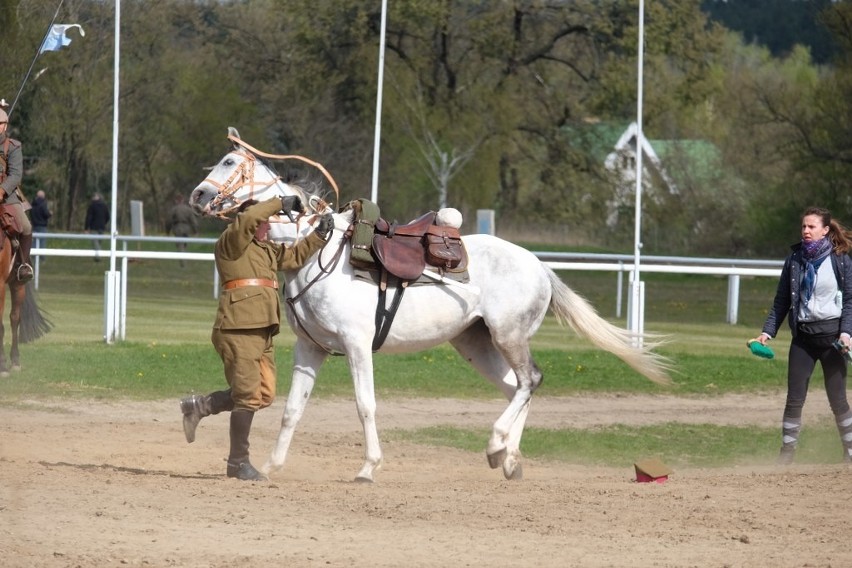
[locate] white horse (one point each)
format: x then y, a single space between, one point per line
489 322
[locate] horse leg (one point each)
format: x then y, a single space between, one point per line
4 370
18 292
477 346
307 359
360 359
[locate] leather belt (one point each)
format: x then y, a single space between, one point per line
241 282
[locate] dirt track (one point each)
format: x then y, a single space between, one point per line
116 485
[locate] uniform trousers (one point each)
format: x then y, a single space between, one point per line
249 361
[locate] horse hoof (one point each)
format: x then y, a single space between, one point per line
4 374
514 472
496 459
363 479
16 368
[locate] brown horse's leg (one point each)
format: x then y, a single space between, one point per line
4 370
18 291
5 271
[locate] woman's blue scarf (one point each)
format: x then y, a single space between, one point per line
813 253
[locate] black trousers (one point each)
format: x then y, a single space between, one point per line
805 351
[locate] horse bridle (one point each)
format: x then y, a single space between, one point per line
242 176
245 173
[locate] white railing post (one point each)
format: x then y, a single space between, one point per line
620 288
733 298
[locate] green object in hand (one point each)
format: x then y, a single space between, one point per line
761 350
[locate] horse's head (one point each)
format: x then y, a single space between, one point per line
238 177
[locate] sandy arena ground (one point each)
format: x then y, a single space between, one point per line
115 484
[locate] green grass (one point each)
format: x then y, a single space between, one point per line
166 370
168 354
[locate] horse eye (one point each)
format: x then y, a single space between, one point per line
228 162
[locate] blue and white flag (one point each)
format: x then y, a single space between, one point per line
56 38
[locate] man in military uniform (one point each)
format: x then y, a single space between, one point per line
249 316
181 222
11 175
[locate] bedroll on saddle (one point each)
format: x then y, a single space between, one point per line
366 215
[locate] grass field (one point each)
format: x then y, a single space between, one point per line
168 354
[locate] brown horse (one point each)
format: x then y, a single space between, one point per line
25 318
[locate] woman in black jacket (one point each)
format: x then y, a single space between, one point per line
816 297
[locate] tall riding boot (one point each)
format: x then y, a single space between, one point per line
238 460
25 269
790 439
844 426
196 407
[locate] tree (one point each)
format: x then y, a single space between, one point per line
759 23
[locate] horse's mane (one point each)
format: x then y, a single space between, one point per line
309 182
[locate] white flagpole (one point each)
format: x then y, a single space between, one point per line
374 195
637 287
112 287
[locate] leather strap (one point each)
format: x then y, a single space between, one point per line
242 282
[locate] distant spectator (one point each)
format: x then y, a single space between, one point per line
40 216
182 222
97 219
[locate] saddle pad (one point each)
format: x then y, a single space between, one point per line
374 275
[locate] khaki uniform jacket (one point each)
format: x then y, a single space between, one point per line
238 255
11 178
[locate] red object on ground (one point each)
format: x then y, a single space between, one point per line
652 470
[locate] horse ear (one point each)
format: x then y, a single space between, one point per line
232 132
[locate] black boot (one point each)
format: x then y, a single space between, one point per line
238 460
25 269
196 407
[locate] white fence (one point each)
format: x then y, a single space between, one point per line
732 268
621 264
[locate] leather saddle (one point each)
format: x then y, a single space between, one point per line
406 250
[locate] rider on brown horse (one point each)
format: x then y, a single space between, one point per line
11 197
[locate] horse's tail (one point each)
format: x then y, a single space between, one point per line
570 308
34 324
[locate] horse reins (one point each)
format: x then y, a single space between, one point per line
317 165
244 175
291 302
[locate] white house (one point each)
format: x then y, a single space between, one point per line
621 163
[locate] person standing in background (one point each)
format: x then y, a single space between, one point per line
182 222
97 219
40 216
